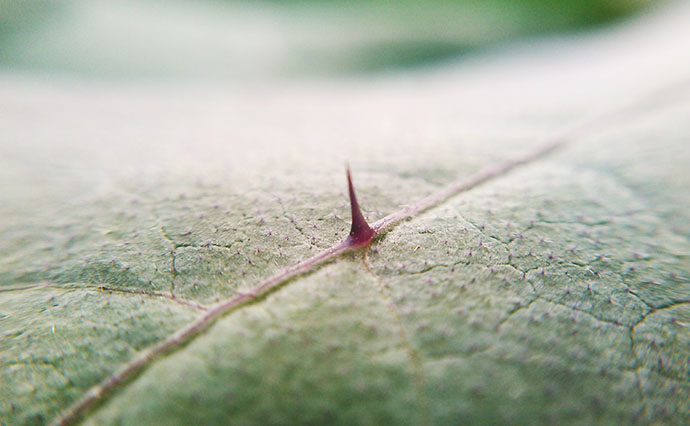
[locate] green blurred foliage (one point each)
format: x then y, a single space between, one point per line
234 38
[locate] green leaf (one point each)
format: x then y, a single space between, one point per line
216 39
557 291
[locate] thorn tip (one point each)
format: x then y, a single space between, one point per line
360 233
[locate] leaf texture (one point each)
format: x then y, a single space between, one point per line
557 292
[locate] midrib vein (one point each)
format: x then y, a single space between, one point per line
185 334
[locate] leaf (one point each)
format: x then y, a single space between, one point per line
217 39
555 291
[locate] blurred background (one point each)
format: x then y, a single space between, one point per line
225 39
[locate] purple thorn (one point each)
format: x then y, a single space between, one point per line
360 233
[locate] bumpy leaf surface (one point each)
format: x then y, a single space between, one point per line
557 292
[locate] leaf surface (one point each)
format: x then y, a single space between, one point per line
556 292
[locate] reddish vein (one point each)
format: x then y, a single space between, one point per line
461 185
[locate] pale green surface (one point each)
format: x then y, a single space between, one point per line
107 183
59 340
571 344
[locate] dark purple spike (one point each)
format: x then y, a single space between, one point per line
361 233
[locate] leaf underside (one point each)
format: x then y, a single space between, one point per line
557 292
